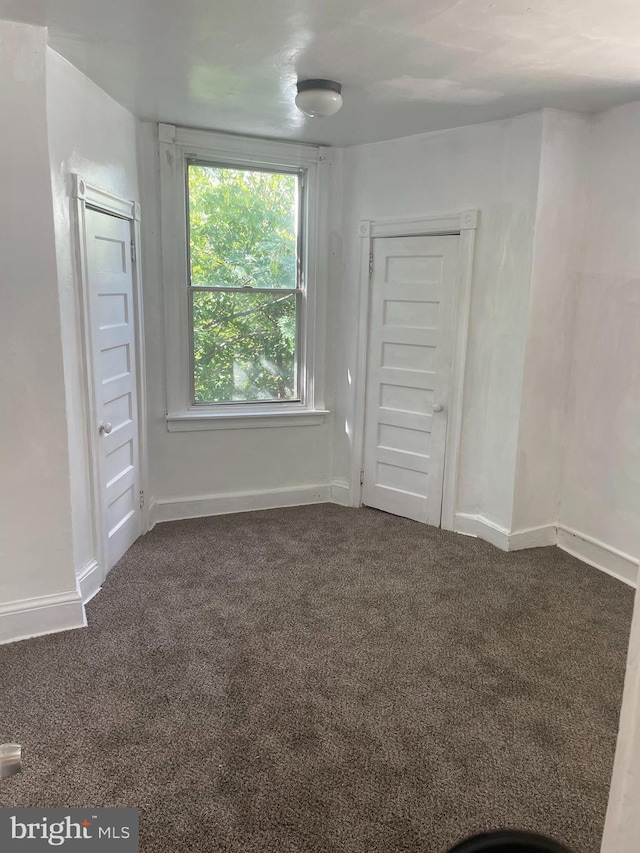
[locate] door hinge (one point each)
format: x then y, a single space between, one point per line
133 252
141 499
361 476
370 264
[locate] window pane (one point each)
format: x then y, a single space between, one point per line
242 227
244 346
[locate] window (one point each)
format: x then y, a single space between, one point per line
245 253
246 281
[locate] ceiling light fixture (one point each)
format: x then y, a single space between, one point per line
319 98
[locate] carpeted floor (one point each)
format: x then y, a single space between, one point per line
320 679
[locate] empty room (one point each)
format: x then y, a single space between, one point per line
320 429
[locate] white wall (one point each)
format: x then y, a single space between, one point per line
601 483
557 263
601 477
493 167
91 134
36 550
209 465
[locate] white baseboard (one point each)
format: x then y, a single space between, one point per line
198 507
616 563
591 551
477 525
533 537
89 581
151 517
340 493
516 540
46 614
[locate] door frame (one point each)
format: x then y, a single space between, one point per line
85 195
463 225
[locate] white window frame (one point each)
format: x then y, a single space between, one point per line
177 146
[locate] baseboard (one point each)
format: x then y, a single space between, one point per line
591 551
477 525
198 507
585 548
46 614
533 537
340 493
596 553
89 581
151 516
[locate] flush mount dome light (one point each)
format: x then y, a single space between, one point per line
319 98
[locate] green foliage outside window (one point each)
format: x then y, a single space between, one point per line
242 233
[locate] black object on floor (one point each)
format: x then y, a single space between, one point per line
509 841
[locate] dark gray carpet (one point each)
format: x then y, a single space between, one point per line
319 679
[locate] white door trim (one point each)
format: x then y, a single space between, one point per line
465 225
86 195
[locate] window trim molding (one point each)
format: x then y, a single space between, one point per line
175 145
196 421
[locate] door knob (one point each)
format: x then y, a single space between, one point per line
105 429
437 407
10 759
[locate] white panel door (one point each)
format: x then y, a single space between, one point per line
408 374
113 333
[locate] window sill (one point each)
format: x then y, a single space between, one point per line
195 421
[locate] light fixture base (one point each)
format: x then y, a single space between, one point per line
319 98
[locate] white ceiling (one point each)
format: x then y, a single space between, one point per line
407 66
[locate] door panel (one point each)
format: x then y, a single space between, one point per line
112 314
408 372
